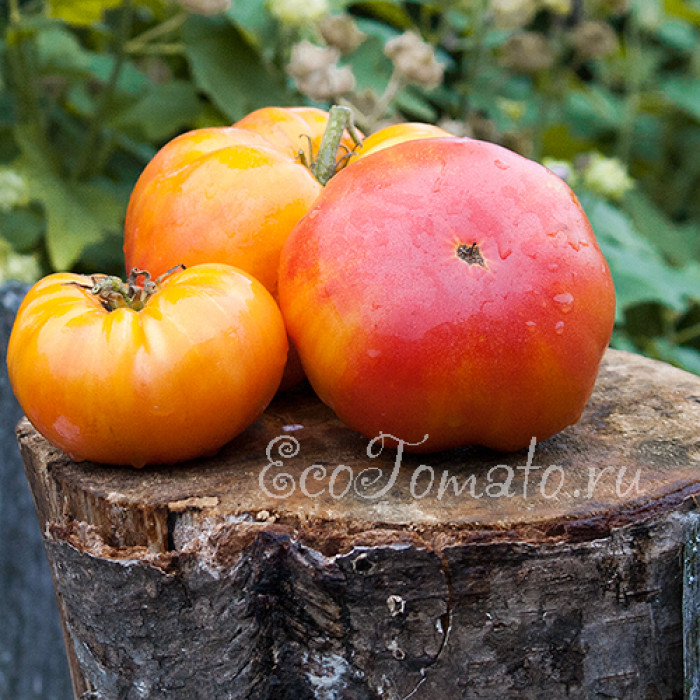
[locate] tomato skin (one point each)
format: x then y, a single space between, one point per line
215 196
173 381
395 134
225 194
399 334
229 195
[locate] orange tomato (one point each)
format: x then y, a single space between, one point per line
234 194
397 133
175 380
226 194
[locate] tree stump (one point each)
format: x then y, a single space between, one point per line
305 561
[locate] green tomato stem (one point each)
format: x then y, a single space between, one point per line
325 164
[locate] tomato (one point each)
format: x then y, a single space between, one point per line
397 133
448 292
173 380
226 194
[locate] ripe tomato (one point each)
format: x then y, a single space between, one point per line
452 289
397 133
174 380
226 194
233 194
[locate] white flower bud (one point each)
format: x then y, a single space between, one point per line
341 32
297 13
607 176
513 14
316 72
561 168
415 60
528 52
307 58
593 40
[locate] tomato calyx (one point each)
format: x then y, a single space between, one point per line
114 294
324 164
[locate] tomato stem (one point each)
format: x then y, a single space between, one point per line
114 294
325 164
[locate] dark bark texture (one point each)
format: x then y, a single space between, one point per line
296 564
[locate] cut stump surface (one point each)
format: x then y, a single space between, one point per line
303 561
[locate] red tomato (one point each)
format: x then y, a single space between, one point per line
174 380
448 292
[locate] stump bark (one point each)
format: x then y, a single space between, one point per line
305 561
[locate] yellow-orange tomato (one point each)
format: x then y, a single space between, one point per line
173 380
397 133
226 194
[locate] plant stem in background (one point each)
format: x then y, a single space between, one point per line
685 335
14 11
394 86
98 118
143 43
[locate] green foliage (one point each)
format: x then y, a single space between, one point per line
607 91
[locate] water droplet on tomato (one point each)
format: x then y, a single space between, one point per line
531 325
373 353
565 301
559 327
501 165
553 267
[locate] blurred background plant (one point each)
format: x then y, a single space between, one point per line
604 92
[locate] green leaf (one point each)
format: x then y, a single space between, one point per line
228 70
255 22
678 35
59 52
23 227
131 80
81 12
678 243
412 102
166 109
639 271
679 355
77 214
594 109
371 68
388 11
684 93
